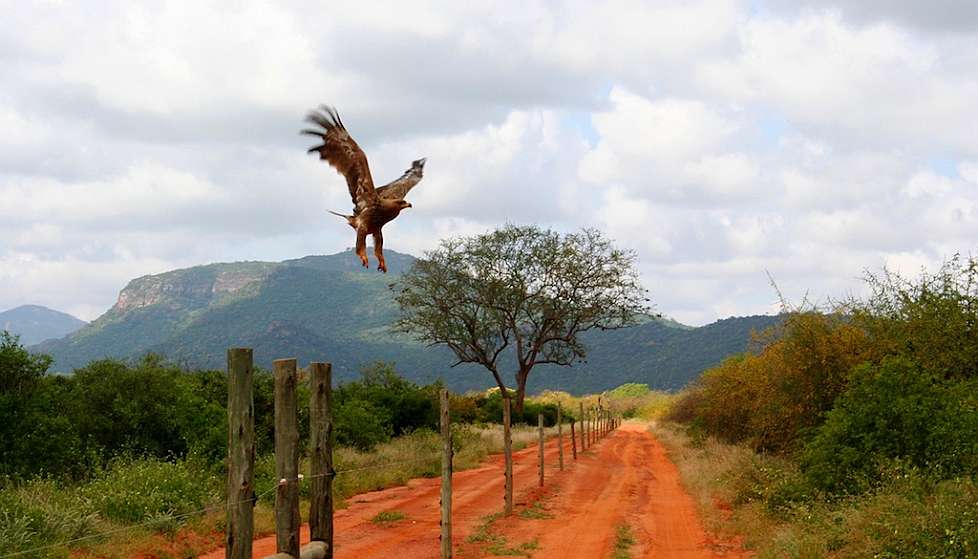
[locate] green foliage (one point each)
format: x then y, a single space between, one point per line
35 434
386 517
872 410
20 370
41 512
629 390
492 411
771 398
132 490
518 297
151 407
362 424
932 320
895 412
381 405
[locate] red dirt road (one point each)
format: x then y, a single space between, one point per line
625 478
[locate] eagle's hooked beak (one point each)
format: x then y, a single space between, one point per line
420 162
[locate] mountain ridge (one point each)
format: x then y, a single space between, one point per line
329 308
36 323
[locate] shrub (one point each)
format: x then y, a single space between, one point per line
772 398
894 412
362 424
932 320
134 490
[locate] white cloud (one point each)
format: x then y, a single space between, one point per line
718 138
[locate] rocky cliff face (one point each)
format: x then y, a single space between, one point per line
193 287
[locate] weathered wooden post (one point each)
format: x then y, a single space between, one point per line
508 459
540 430
560 439
446 478
286 458
321 454
590 427
241 454
573 441
583 427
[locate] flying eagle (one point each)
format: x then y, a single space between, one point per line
372 207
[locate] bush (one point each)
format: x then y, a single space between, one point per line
771 399
894 412
382 405
933 320
148 408
134 490
492 411
41 512
362 424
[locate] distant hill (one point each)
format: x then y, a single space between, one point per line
34 323
329 308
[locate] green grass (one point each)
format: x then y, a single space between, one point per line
483 533
145 496
388 517
535 512
500 547
497 544
623 541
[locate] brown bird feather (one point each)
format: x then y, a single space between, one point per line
372 208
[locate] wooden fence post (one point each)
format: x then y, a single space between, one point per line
583 427
286 458
560 438
241 454
321 454
573 442
446 478
540 430
508 458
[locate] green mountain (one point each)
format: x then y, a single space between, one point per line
328 308
34 323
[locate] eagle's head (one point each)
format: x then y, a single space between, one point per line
417 166
393 207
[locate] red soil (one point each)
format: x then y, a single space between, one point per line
625 478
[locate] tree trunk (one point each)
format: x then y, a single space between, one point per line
520 392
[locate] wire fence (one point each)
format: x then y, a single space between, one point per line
213 508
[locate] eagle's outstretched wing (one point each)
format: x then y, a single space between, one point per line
340 151
400 187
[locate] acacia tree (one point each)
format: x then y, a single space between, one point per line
520 293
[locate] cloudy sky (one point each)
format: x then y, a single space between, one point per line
718 139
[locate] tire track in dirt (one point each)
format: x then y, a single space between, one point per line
625 478
628 479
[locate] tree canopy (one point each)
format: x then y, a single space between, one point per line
519 293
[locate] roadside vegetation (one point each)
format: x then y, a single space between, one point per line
136 450
848 431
